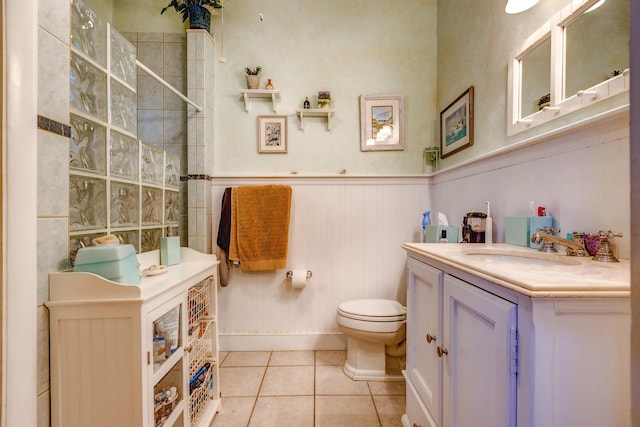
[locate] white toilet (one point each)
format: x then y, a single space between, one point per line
376 336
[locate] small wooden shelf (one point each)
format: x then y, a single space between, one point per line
259 93
315 112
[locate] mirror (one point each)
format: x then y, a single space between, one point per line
536 78
596 46
578 58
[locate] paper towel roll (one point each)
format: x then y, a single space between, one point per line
299 279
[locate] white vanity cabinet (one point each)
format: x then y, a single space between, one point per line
486 351
115 347
460 342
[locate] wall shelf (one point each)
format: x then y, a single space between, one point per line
247 94
315 112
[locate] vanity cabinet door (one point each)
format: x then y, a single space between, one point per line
424 333
479 379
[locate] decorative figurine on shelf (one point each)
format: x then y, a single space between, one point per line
306 104
324 99
253 81
269 85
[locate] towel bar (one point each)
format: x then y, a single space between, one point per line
290 274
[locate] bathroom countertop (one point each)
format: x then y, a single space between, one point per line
584 278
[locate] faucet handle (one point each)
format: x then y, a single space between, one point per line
548 230
605 254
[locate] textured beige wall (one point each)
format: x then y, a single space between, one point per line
349 48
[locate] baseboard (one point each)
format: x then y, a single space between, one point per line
282 342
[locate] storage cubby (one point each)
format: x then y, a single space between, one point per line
136 355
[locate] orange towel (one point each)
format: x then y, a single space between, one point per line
260 226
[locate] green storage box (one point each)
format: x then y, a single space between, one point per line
435 231
170 250
114 262
516 230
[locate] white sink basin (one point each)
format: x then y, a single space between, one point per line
521 258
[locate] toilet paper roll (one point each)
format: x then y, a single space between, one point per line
299 279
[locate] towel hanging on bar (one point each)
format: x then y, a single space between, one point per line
260 226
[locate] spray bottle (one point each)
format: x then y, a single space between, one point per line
426 220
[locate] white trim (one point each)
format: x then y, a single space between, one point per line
20 136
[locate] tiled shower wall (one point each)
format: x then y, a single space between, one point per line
53 171
161 114
161 122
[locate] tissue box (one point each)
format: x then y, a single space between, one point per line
536 222
435 231
516 230
170 250
114 262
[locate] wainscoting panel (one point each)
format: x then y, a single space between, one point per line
348 232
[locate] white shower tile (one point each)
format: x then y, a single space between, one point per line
174 57
174 124
53 78
52 252
150 93
53 16
150 54
53 172
150 126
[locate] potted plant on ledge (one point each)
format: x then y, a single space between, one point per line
253 80
197 11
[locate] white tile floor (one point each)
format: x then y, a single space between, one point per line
300 389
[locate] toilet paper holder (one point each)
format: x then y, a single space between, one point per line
290 274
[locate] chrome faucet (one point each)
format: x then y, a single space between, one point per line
575 246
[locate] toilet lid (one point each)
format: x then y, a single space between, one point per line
380 310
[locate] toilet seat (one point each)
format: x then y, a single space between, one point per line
372 315
373 310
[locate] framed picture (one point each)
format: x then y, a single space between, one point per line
456 125
272 134
381 122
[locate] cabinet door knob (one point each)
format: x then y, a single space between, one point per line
441 350
430 338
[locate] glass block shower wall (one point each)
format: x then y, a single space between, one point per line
117 183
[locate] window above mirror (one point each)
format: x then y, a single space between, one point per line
578 58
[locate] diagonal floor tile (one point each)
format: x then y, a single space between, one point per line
390 410
235 412
388 388
292 358
241 381
290 411
330 357
246 358
345 411
331 380
288 381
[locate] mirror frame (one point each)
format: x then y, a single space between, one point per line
558 107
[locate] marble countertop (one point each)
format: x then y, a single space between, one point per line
530 272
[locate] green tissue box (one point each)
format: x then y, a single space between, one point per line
170 250
435 231
516 230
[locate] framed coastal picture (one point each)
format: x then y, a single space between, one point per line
272 134
456 125
381 122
